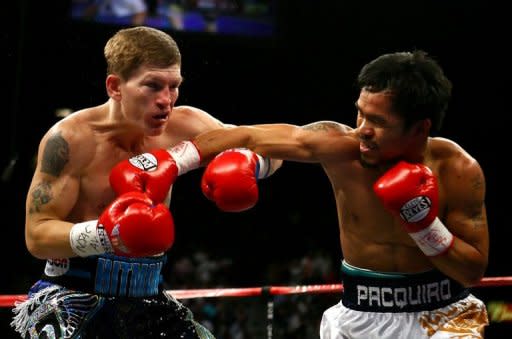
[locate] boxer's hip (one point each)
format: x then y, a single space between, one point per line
108 275
371 291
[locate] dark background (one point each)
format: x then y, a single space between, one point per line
302 74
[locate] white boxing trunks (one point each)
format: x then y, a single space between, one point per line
384 305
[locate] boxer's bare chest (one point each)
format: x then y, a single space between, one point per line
95 192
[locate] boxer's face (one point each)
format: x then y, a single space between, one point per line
149 97
381 133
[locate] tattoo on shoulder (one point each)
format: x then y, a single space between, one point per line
55 156
322 126
41 195
475 209
477 182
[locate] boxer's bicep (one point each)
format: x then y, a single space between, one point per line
325 140
466 213
308 143
52 194
54 186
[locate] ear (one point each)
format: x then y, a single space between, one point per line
113 84
423 127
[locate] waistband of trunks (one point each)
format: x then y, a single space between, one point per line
109 275
373 291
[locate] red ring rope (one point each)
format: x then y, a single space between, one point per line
8 300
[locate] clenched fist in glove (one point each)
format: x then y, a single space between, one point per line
230 179
410 192
154 172
130 226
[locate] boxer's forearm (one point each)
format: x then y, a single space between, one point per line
49 239
273 140
462 262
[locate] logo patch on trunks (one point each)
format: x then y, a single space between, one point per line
404 296
56 267
130 277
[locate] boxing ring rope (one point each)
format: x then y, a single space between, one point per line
267 292
8 300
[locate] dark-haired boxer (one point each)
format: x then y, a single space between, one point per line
412 218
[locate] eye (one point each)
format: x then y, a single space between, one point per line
377 120
152 85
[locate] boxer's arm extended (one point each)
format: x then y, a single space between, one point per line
155 171
189 122
466 218
315 142
230 179
51 196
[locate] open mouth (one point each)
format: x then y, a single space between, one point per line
161 117
365 147
157 120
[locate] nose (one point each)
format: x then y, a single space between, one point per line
165 99
364 130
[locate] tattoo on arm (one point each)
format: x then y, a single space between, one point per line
476 209
41 195
55 156
322 126
478 220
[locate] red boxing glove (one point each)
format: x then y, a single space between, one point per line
136 227
230 179
410 192
154 172
130 226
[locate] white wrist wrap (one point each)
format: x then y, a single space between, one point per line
186 155
433 240
86 239
265 167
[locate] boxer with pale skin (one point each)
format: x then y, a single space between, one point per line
104 229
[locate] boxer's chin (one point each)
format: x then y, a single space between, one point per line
154 130
367 162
